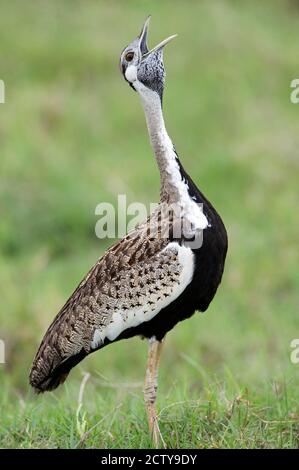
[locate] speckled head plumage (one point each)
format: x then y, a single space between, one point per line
139 65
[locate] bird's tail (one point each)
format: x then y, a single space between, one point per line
61 349
46 375
68 339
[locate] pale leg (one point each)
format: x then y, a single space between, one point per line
150 389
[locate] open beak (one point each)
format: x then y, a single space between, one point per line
143 38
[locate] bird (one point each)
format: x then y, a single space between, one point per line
158 274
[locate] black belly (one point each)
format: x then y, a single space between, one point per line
209 265
208 270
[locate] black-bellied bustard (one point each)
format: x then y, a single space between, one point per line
159 274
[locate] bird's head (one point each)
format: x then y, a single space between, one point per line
142 68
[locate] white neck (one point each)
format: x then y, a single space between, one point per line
173 188
162 145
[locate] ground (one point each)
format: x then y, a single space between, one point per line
73 135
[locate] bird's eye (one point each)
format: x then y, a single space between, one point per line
129 56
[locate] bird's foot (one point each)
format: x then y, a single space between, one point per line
156 435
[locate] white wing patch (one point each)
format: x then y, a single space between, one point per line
122 320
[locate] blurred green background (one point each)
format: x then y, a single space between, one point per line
73 134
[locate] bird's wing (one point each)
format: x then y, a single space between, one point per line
133 281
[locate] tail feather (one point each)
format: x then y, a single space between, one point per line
44 378
67 340
61 349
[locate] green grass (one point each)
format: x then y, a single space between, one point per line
212 414
72 135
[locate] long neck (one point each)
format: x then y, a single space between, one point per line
167 160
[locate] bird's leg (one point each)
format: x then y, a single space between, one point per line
150 389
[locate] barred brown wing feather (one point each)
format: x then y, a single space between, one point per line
126 287
68 332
